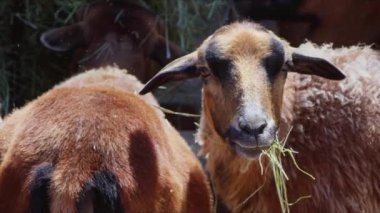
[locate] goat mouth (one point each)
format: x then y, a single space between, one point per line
250 152
245 145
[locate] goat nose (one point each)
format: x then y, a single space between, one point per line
255 128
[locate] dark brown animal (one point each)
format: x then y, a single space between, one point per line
92 145
248 99
108 33
341 22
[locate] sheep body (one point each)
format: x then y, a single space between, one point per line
335 132
93 128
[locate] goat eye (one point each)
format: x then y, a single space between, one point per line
218 64
273 65
274 62
220 67
205 72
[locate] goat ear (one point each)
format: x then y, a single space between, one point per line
179 69
63 38
315 66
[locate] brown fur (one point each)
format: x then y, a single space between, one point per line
337 23
336 143
83 126
108 33
341 22
241 49
335 123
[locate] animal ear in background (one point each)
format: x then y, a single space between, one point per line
314 66
63 38
179 69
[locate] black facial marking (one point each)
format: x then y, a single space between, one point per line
275 60
102 192
220 67
39 192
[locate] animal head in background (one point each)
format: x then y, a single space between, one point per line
108 33
243 67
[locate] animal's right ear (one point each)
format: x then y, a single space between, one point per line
315 66
179 69
63 38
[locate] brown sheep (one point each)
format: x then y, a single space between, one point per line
108 33
246 102
92 145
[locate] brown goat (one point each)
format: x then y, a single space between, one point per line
92 145
108 33
244 67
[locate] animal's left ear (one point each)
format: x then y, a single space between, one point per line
314 66
63 38
179 69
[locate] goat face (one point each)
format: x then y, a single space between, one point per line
243 67
113 33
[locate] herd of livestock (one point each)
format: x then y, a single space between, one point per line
99 142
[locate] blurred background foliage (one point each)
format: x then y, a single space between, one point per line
27 68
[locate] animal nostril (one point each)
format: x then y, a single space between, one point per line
253 129
261 128
245 127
